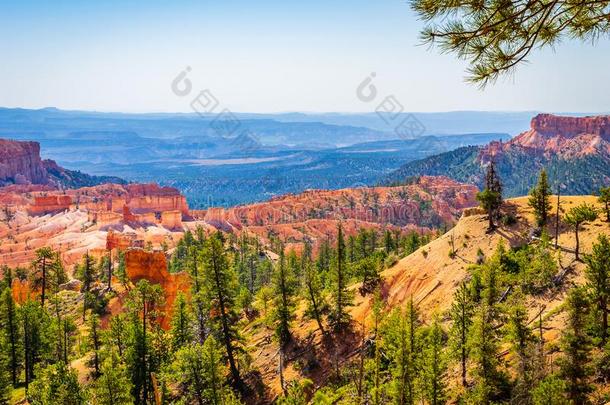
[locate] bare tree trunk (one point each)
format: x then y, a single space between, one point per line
576 229
604 308
361 368
109 270
557 218
44 280
281 356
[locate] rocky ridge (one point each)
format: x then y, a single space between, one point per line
575 151
21 164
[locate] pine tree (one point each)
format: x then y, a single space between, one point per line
351 249
316 303
35 322
491 197
69 330
484 351
57 384
142 302
6 384
367 270
434 366
377 318
57 326
323 261
197 293
220 293
362 241
200 371
107 267
388 241
117 336
575 345
484 340
57 274
550 391
540 199
87 274
398 344
521 340
598 283
181 324
577 216
462 311
341 297
40 268
95 343
10 327
604 198
121 271
496 38
284 307
296 394
293 266
113 387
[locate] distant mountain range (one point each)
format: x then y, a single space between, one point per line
293 152
292 129
575 151
278 155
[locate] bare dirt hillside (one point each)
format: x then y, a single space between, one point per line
431 277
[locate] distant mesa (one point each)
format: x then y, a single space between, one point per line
568 137
575 151
20 164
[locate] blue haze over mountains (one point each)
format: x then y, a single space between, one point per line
285 153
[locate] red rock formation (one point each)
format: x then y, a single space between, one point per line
120 241
171 220
105 218
20 163
555 135
400 206
144 198
549 125
145 219
49 204
139 204
152 266
21 291
315 214
128 217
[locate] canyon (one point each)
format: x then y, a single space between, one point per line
38 211
95 219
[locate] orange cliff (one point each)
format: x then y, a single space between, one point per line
20 163
313 215
398 206
152 266
49 204
90 219
552 135
77 221
112 204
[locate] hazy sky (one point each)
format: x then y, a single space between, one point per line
263 56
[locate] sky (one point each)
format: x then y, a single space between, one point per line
265 56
